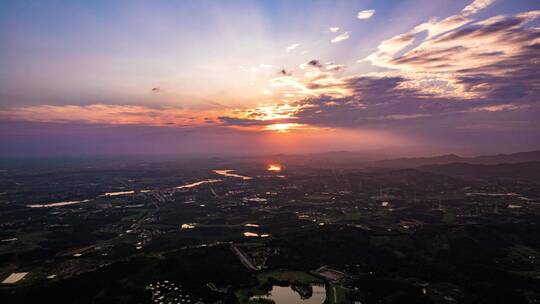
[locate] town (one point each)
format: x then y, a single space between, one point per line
235 231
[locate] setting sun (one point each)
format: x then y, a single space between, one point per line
283 127
274 167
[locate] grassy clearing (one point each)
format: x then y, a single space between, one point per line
291 276
336 294
135 215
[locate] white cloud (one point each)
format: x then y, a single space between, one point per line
499 108
476 6
365 14
388 48
457 57
340 37
292 47
265 66
435 27
333 29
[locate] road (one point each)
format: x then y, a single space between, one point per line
244 258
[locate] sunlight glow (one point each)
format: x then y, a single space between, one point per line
283 127
271 112
274 168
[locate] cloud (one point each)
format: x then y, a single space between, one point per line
492 58
500 107
340 37
476 6
284 72
462 76
383 102
109 115
388 48
334 67
292 47
365 14
265 66
318 78
315 63
252 68
369 100
333 29
155 90
436 27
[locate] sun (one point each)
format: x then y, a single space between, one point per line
274 168
283 127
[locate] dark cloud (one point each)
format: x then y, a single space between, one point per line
248 122
482 78
373 101
315 63
385 103
284 72
156 90
481 30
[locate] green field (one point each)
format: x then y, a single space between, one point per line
336 294
291 276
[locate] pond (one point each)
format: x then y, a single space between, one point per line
287 295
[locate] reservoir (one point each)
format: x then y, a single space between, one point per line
195 184
287 295
60 204
230 174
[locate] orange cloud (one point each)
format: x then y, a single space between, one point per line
111 114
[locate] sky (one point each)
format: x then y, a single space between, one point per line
261 77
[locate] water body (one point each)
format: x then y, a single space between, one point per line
230 174
490 194
193 185
286 295
14 277
59 204
119 193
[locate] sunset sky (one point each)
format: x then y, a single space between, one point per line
240 77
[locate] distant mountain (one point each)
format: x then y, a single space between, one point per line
331 159
521 157
516 171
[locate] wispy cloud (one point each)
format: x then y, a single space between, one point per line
255 68
365 14
292 47
333 29
466 59
476 6
340 37
500 107
110 115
